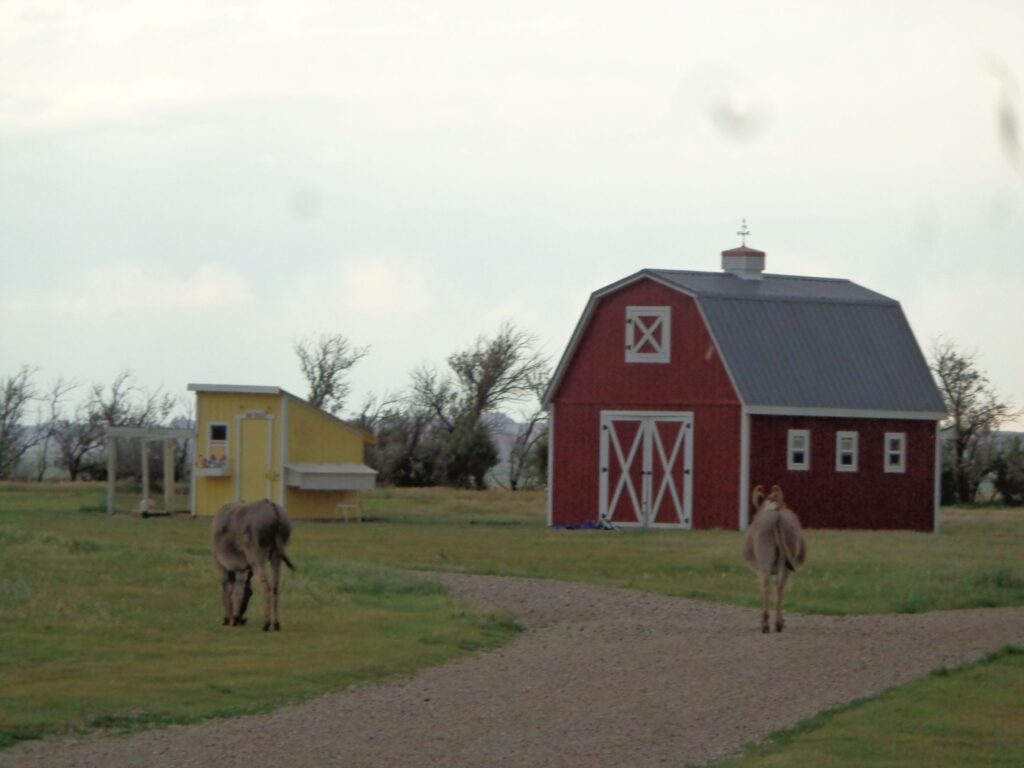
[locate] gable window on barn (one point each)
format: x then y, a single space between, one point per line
798 451
648 334
896 452
846 451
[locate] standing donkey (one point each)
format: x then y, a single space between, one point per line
774 546
245 538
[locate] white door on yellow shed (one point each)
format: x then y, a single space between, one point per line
255 454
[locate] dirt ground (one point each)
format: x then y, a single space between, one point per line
601 677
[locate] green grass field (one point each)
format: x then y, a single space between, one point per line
973 716
115 621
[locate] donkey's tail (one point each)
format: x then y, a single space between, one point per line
282 533
782 546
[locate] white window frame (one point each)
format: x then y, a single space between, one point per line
791 463
655 326
210 442
854 451
901 467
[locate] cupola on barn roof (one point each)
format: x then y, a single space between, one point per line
744 262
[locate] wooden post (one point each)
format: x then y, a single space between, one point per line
169 475
145 469
111 472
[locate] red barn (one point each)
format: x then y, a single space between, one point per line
679 391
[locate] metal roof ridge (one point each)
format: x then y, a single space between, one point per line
884 301
809 278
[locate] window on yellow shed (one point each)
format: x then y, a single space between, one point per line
217 444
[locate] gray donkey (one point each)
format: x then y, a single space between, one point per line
245 538
774 546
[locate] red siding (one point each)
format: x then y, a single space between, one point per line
868 498
599 378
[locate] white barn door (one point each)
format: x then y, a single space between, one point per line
646 468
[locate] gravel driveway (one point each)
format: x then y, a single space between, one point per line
600 677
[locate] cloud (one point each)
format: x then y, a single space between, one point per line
133 287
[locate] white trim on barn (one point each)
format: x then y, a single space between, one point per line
938 478
843 413
792 436
744 469
900 467
584 321
647 444
853 451
551 464
654 325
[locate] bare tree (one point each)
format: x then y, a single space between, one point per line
48 421
121 404
436 393
974 411
16 392
521 458
326 361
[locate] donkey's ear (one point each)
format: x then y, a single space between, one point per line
757 496
776 495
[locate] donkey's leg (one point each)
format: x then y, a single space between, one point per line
238 599
765 579
779 589
259 571
227 583
246 595
275 564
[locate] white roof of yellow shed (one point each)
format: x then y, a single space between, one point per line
249 389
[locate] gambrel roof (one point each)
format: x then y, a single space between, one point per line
802 345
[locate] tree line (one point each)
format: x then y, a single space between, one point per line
442 428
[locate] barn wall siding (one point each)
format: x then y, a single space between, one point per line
868 498
598 378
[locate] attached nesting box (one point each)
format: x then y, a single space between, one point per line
263 442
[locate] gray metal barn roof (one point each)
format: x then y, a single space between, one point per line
812 343
803 344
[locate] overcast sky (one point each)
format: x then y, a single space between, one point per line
188 187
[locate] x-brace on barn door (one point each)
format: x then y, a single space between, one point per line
646 468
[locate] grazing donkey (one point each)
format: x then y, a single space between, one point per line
245 538
774 546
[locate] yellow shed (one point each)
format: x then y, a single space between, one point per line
263 442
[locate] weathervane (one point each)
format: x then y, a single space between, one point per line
744 232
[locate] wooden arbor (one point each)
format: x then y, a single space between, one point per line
146 435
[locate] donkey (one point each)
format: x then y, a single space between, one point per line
774 546
245 538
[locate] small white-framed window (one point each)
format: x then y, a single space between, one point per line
896 452
846 451
798 450
648 334
216 443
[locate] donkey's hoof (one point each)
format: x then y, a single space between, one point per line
764 629
237 621
778 626
226 621
266 626
242 620
277 626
